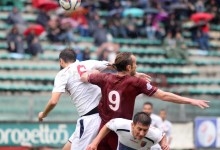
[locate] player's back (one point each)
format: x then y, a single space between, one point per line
119 94
85 96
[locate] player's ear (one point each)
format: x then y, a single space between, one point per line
128 67
132 124
61 61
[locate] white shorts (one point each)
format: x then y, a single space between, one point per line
87 128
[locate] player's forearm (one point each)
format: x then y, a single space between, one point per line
163 143
171 97
48 108
102 133
178 99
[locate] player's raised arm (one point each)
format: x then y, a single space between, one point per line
171 97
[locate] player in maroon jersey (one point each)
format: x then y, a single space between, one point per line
120 90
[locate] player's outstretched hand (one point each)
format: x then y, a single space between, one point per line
40 116
143 76
165 147
201 103
91 147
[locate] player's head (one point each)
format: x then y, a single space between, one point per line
140 125
67 56
163 114
148 107
125 62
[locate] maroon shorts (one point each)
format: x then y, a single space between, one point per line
109 142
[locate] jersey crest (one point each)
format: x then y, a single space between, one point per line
149 86
143 143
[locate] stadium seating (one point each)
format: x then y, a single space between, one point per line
184 78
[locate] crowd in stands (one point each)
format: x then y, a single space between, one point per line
151 19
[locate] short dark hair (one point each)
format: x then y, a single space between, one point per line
68 55
148 103
143 118
122 60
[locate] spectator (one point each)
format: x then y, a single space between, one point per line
43 18
53 30
175 46
33 44
100 35
181 49
116 28
93 22
199 6
148 27
156 120
165 125
15 41
65 33
169 44
203 36
15 18
86 54
107 51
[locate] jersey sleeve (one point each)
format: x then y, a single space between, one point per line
97 79
97 65
170 129
60 82
146 87
157 134
112 124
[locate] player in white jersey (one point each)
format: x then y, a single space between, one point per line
165 125
156 120
132 135
84 96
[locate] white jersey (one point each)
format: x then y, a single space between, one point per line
166 127
155 121
85 96
126 141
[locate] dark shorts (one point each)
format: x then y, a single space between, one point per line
110 142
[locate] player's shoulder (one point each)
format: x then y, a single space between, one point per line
137 80
155 117
168 122
93 62
120 121
63 71
153 133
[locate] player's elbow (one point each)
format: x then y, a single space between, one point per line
162 95
53 102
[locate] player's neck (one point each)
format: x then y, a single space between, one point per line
67 64
122 73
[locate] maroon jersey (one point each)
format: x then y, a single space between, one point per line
119 94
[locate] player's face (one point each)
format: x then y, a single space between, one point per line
163 115
61 64
139 130
147 109
134 65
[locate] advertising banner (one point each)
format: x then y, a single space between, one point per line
207 132
35 134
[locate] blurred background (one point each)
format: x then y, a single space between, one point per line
175 41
